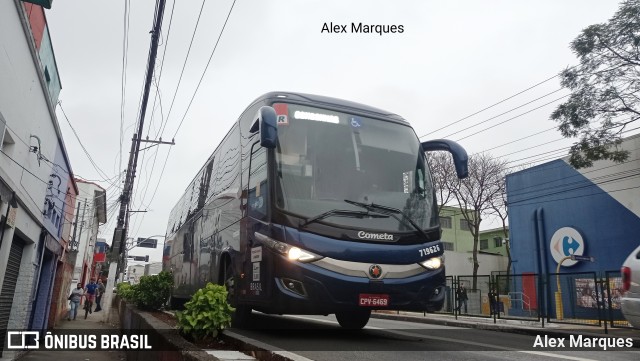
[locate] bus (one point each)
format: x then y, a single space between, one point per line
314 205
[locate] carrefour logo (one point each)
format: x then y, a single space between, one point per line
566 242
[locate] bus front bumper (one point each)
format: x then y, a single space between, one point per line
308 288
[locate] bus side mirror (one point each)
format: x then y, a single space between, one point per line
265 122
460 158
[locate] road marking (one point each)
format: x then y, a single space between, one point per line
558 356
470 343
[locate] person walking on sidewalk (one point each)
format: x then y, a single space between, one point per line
493 302
74 301
90 294
99 293
461 293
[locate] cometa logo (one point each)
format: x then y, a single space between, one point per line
376 236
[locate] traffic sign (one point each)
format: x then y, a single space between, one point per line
147 243
582 258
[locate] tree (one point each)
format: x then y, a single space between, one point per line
604 88
474 194
498 207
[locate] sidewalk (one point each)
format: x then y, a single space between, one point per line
93 322
513 326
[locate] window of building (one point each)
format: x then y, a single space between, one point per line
448 246
464 225
445 222
497 241
484 244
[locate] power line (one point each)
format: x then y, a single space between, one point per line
492 105
101 173
205 68
501 114
510 119
123 76
123 219
191 101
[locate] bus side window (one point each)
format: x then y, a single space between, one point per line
258 190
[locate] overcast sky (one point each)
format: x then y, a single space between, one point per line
452 59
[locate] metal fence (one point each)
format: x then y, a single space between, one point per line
573 298
519 296
449 300
477 294
582 298
611 293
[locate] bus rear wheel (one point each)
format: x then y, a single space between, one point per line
353 319
242 314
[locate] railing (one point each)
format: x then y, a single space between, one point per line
584 298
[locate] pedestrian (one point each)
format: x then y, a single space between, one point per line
91 290
99 294
74 301
461 293
493 302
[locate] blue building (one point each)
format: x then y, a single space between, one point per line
556 211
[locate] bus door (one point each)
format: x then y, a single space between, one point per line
256 265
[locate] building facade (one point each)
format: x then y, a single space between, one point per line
458 245
36 180
556 211
91 212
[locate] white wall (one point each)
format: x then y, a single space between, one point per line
460 263
90 227
619 180
26 108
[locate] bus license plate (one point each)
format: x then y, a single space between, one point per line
369 300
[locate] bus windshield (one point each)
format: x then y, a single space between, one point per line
331 165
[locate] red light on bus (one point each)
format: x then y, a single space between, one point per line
281 109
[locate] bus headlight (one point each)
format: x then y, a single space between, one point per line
297 254
433 263
292 253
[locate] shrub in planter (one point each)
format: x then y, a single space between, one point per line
206 314
126 291
153 291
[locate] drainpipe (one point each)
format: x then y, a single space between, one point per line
538 266
34 293
542 255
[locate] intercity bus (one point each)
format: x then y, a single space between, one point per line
314 205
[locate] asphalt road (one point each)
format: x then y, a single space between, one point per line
321 338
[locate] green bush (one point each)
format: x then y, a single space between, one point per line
153 291
125 290
206 314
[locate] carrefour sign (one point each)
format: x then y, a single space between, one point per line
566 242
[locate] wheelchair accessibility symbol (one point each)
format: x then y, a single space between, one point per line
355 123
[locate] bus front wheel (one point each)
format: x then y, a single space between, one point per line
353 319
242 314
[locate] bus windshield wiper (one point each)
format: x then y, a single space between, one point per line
392 211
343 213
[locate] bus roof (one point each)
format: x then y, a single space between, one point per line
333 102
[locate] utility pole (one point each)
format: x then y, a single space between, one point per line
120 233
